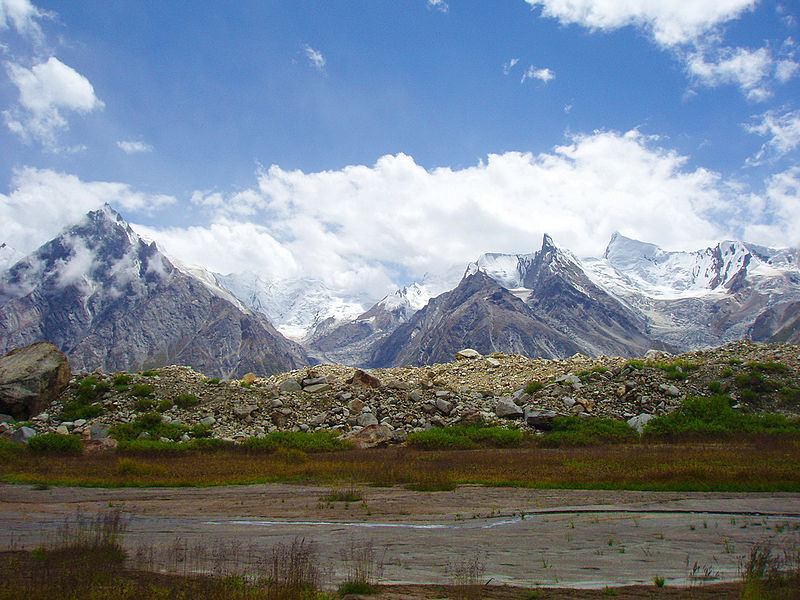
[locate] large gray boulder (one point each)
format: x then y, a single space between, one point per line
31 378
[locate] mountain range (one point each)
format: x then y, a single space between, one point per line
114 301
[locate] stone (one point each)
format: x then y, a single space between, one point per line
98 431
442 394
396 384
506 408
362 378
79 422
467 354
371 436
276 403
540 419
416 396
289 385
209 420
317 388
568 401
243 410
95 446
672 391
314 381
31 378
639 421
6 418
366 419
444 406
355 406
493 363
248 379
62 430
23 434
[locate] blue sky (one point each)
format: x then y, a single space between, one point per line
368 142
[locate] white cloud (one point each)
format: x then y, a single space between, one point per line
23 16
670 23
43 202
134 147
781 202
786 69
45 90
783 131
439 5
367 228
749 69
509 65
543 75
315 57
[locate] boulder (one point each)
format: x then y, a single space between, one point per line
95 446
445 406
365 419
23 434
467 354
492 363
31 378
365 379
289 385
506 408
639 421
317 388
248 378
243 410
540 419
371 436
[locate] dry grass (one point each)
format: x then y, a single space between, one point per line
722 466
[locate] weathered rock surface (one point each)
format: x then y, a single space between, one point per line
31 378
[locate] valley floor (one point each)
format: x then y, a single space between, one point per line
520 537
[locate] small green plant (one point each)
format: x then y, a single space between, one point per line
715 387
573 431
533 387
143 404
200 431
141 390
149 373
658 581
635 364
165 405
212 381
57 443
316 441
464 437
85 404
187 400
122 379
677 370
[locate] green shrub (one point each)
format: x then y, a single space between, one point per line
142 390
464 437
187 400
55 442
121 379
770 367
635 364
200 431
317 441
143 404
678 369
9 449
574 431
84 405
212 381
165 405
150 373
75 410
150 423
533 387
714 417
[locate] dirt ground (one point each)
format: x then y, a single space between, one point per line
581 540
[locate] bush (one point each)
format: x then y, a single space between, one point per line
150 373
465 437
317 441
533 387
165 405
212 381
142 390
85 406
677 370
713 416
143 404
121 379
187 400
200 431
55 442
573 431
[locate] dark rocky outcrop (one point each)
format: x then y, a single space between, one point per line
31 378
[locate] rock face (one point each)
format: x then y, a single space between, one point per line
480 314
31 378
112 301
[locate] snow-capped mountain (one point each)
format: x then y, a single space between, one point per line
293 306
9 256
111 300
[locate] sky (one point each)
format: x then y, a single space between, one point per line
368 142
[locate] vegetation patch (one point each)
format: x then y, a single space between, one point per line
317 441
678 370
714 417
465 437
85 405
573 431
54 442
187 401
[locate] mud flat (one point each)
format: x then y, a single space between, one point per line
572 538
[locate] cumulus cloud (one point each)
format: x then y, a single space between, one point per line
22 16
670 23
365 229
692 31
43 202
134 147
782 130
46 91
315 58
439 5
543 75
781 203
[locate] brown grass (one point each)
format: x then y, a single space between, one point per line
724 466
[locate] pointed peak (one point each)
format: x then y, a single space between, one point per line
547 242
